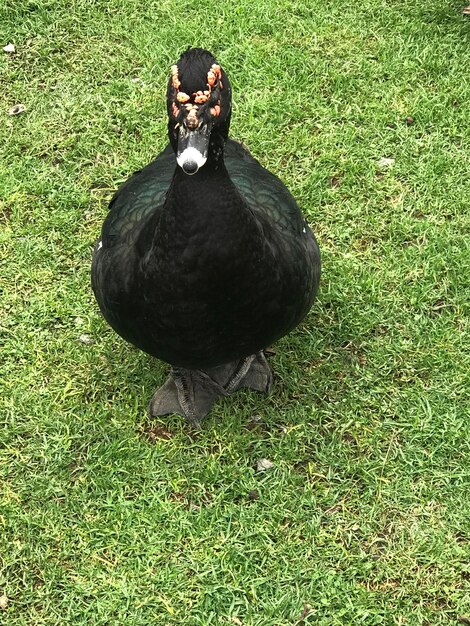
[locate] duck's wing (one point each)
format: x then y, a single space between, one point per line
264 193
138 198
283 224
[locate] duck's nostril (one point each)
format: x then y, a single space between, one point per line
190 167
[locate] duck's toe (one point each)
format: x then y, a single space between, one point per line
165 400
252 372
259 376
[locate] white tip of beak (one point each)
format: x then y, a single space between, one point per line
190 160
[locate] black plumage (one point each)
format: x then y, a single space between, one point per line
205 270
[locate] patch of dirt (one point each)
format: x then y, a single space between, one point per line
155 432
5 214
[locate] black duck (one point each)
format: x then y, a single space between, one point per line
204 258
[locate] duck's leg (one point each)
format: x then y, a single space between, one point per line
192 393
252 372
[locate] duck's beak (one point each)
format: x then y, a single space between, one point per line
193 146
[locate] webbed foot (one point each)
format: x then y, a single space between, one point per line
192 393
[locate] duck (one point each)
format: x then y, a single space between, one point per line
205 258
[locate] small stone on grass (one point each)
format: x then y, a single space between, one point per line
17 109
264 464
86 339
385 162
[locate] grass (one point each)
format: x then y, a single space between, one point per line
107 518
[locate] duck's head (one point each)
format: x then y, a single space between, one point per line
199 106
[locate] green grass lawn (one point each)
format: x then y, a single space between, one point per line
107 518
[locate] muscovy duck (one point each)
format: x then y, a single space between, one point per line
204 258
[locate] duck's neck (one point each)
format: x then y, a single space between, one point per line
204 211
